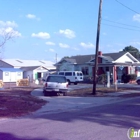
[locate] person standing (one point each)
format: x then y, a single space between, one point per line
28 77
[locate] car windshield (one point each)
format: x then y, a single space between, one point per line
58 79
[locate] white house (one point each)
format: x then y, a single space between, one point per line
35 69
35 73
10 74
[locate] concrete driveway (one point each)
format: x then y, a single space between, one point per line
68 103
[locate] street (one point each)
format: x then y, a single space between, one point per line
105 122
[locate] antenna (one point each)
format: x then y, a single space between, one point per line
56 57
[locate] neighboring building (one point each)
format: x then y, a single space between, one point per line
10 74
35 73
116 63
34 69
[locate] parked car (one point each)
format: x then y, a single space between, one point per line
138 80
55 84
72 76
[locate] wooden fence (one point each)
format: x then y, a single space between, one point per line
1 84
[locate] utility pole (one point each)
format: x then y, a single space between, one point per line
97 48
56 57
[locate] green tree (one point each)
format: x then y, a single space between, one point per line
65 57
132 50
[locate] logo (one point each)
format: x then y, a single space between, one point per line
132 133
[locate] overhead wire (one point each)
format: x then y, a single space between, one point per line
122 23
127 7
120 27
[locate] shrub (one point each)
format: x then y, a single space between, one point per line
102 79
132 76
88 79
129 77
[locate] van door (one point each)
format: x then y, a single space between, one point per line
79 76
69 76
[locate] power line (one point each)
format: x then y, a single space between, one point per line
127 7
120 27
121 23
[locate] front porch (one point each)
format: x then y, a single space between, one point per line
117 70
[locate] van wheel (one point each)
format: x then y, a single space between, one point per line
138 82
64 94
75 83
68 82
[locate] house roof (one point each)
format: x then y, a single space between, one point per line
114 56
32 68
29 63
11 69
71 60
81 59
29 68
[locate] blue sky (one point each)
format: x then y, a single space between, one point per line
44 28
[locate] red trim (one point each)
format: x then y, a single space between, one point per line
114 74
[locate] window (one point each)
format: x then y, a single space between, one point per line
68 74
61 73
6 73
81 74
85 70
107 68
19 73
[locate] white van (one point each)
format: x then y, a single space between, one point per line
72 76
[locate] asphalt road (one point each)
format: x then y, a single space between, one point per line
106 122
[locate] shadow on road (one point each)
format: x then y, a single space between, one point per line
8 136
124 114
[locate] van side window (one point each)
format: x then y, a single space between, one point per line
68 73
73 73
61 73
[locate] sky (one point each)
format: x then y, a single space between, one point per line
50 29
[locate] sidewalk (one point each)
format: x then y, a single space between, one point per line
69 103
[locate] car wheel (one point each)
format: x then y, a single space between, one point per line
55 94
64 94
46 93
69 82
138 82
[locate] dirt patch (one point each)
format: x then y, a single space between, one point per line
100 92
103 92
18 101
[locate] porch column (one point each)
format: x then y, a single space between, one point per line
114 75
136 71
127 70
